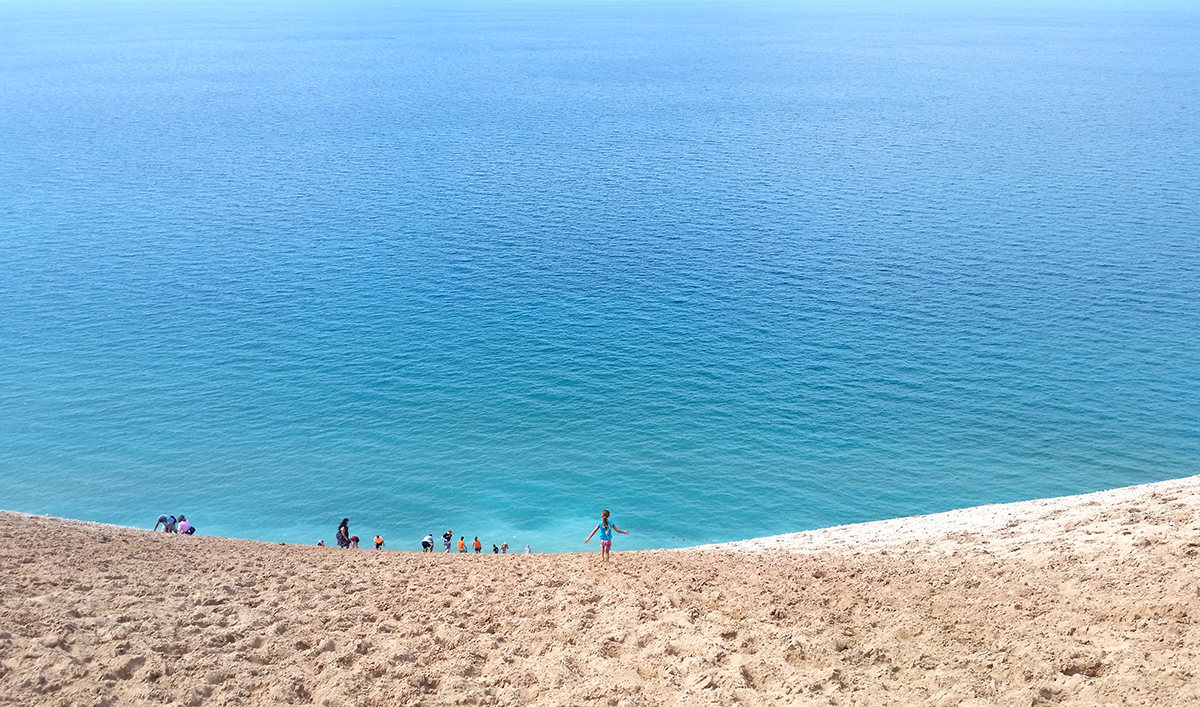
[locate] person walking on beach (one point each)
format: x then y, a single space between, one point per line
606 529
477 545
427 543
448 538
378 542
343 533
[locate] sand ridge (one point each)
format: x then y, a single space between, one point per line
1084 519
1102 611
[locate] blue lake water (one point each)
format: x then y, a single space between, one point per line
728 270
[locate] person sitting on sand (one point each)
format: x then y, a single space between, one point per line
495 550
427 543
320 543
462 543
503 548
167 522
354 542
606 530
477 545
448 538
343 534
378 542
184 526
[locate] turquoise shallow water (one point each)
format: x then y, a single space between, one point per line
727 270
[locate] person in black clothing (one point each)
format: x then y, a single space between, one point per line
343 533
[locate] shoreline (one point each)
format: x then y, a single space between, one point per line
1090 600
1002 523
996 520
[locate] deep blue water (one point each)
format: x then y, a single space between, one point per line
728 270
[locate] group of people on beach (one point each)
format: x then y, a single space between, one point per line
171 524
448 541
605 527
346 540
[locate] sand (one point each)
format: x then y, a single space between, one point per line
1087 600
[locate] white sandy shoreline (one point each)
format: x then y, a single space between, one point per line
998 523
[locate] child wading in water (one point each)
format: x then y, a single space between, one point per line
606 530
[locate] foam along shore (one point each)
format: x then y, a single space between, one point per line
1084 600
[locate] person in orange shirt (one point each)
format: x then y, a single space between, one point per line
462 543
378 542
477 545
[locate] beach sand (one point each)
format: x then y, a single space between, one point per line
1087 600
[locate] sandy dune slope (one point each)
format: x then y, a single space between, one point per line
1087 600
